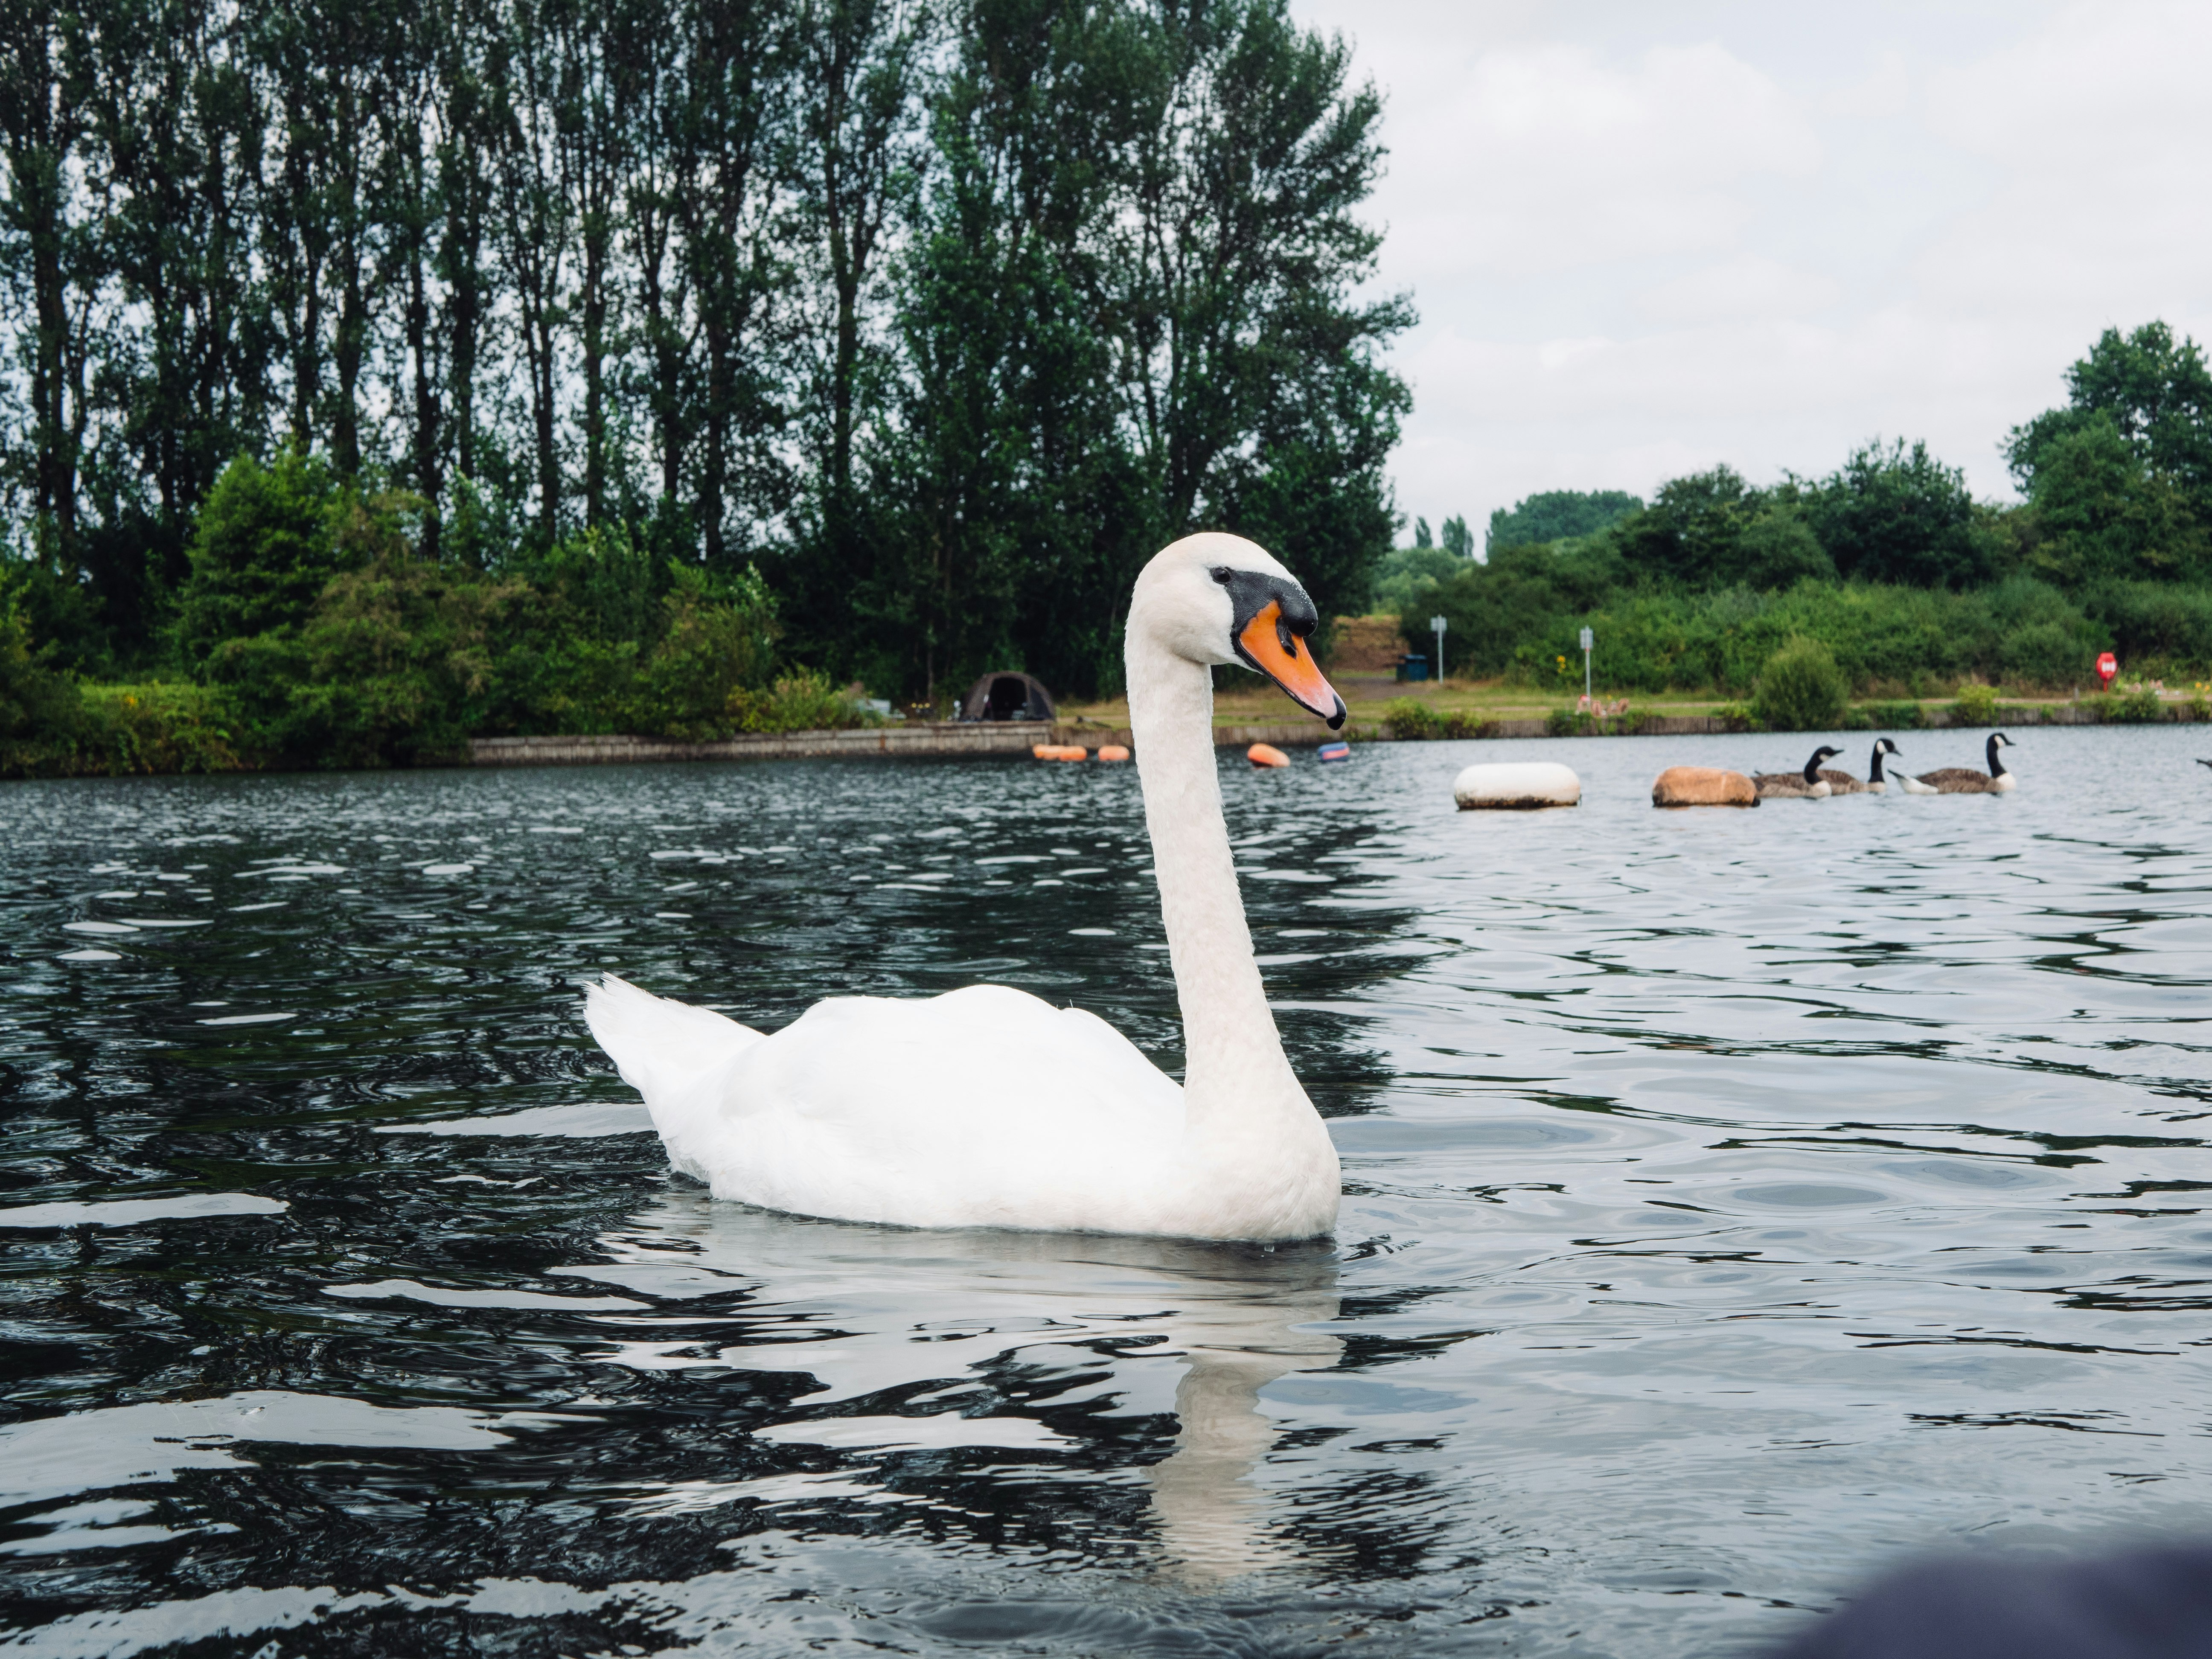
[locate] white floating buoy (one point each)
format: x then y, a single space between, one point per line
1516 787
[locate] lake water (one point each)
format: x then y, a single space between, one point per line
1735 1201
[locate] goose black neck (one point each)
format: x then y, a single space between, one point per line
1813 768
1874 767
1997 766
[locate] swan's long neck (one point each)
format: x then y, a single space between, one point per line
1236 1075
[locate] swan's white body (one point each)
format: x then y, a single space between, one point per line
988 1108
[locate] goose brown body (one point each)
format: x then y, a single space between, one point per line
1811 784
1964 780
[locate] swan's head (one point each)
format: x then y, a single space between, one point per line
1218 598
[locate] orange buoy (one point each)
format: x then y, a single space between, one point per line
1702 785
1112 751
1058 751
1266 754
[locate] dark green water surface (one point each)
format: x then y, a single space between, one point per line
1735 1201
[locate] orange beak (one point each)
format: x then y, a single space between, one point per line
1270 647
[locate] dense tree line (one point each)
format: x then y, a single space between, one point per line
1889 561
938 316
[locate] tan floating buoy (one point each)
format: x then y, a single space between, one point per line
1702 785
1112 751
1266 754
1058 751
1516 787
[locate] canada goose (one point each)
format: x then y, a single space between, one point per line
1964 780
1911 785
1843 783
1807 784
1875 784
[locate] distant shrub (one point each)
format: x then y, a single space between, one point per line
804 701
1894 716
40 711
1799 689
1976 704
719 640
2132 705
1410 720
2044 654
161 728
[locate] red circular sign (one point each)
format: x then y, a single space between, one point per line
2107 666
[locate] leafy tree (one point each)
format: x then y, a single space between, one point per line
1422 538
1553 514
2104 514
264 548
2156 394
1403 571
1689 535
1494 611
1458 539
1250 368
1778 548
1894 514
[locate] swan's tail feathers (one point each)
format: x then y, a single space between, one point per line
660 1047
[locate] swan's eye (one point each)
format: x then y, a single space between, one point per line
1222 573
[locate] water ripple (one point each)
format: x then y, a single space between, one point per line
1733 1201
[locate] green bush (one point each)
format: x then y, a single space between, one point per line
162 727
2132 705
1976 704
2044 654
1410 719
1799 689
40 711
804 701
717 638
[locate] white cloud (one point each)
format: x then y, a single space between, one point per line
1749 287
1542 159
1645 239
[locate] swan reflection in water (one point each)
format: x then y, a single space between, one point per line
925 1327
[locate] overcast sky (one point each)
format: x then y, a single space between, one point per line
1645 236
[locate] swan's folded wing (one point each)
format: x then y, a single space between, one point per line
985 1107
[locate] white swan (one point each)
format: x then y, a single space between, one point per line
988 1108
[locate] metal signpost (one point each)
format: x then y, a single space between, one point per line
1588 640
1436 627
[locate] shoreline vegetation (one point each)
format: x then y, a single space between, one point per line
682 371
401 374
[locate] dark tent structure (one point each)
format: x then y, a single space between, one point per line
1007 696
